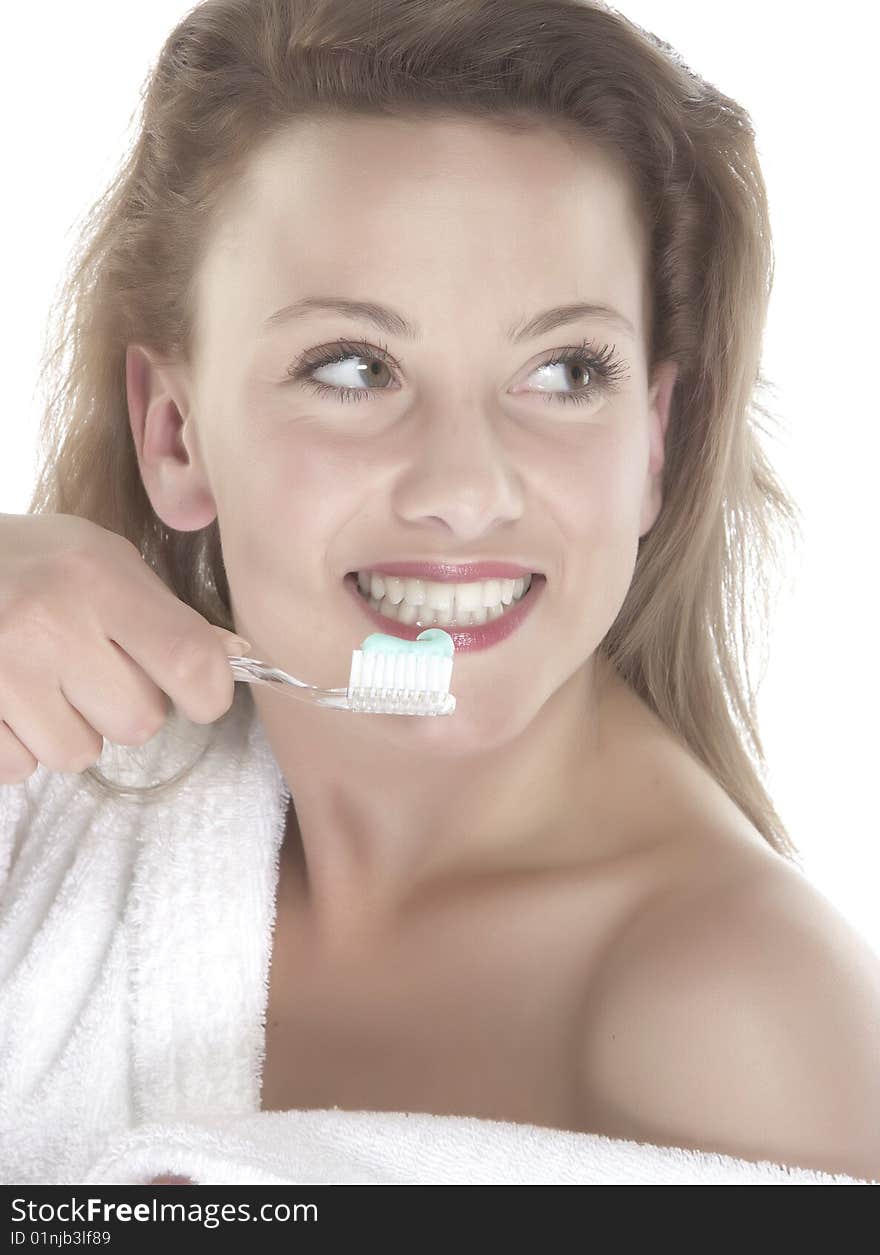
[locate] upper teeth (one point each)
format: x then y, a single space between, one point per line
439 596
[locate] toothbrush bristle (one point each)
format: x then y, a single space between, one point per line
400 684
401 702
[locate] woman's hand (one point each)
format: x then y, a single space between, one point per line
91 641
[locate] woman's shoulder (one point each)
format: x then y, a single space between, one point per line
739 1012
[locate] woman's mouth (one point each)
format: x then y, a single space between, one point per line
405 607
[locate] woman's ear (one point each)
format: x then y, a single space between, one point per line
166 441
659 403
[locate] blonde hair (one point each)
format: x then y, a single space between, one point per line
234 73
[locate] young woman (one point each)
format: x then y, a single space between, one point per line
395 311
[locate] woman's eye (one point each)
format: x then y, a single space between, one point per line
582 377
357 371
360 370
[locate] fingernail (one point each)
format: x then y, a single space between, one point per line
234 644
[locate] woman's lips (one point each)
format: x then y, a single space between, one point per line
466 639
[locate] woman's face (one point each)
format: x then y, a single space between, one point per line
455 440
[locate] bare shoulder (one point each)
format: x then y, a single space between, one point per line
740 1015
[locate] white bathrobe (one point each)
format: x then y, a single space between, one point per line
135 942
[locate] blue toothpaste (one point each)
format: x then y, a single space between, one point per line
432 642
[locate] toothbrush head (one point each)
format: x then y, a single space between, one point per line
393 676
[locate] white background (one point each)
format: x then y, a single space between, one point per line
72 73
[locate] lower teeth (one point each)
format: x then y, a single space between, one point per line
426 616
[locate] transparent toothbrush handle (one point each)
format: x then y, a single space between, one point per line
253 671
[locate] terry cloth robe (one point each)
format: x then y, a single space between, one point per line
135 942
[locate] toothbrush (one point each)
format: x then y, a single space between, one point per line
389 676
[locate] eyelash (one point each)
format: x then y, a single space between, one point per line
600 362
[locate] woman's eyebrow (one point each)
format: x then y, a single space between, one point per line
394 323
